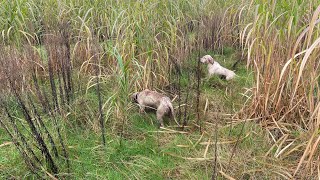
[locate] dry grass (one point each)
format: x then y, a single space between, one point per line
126 46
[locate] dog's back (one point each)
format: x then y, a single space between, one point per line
150 98
217 69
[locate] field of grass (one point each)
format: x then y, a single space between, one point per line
68 69
145 152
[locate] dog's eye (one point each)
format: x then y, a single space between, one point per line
136 98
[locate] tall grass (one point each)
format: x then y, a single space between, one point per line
137 45
280 44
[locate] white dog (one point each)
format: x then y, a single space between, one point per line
154 100
215 68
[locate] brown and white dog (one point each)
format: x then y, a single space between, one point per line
215 68
154 100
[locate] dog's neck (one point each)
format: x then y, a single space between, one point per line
215 63
210 64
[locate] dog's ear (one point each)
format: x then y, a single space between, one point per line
211 60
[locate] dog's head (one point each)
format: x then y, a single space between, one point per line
134 97
207 59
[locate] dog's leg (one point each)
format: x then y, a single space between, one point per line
142 109
223 77
160 115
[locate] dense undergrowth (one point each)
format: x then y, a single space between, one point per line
144 151
68 67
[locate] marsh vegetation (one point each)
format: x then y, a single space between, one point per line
68 69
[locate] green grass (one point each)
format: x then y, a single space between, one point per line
140 39
143 153
139 155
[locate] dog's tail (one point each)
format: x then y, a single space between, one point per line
172 113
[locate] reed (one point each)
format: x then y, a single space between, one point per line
125 46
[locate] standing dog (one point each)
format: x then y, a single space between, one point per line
215 68
154 100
